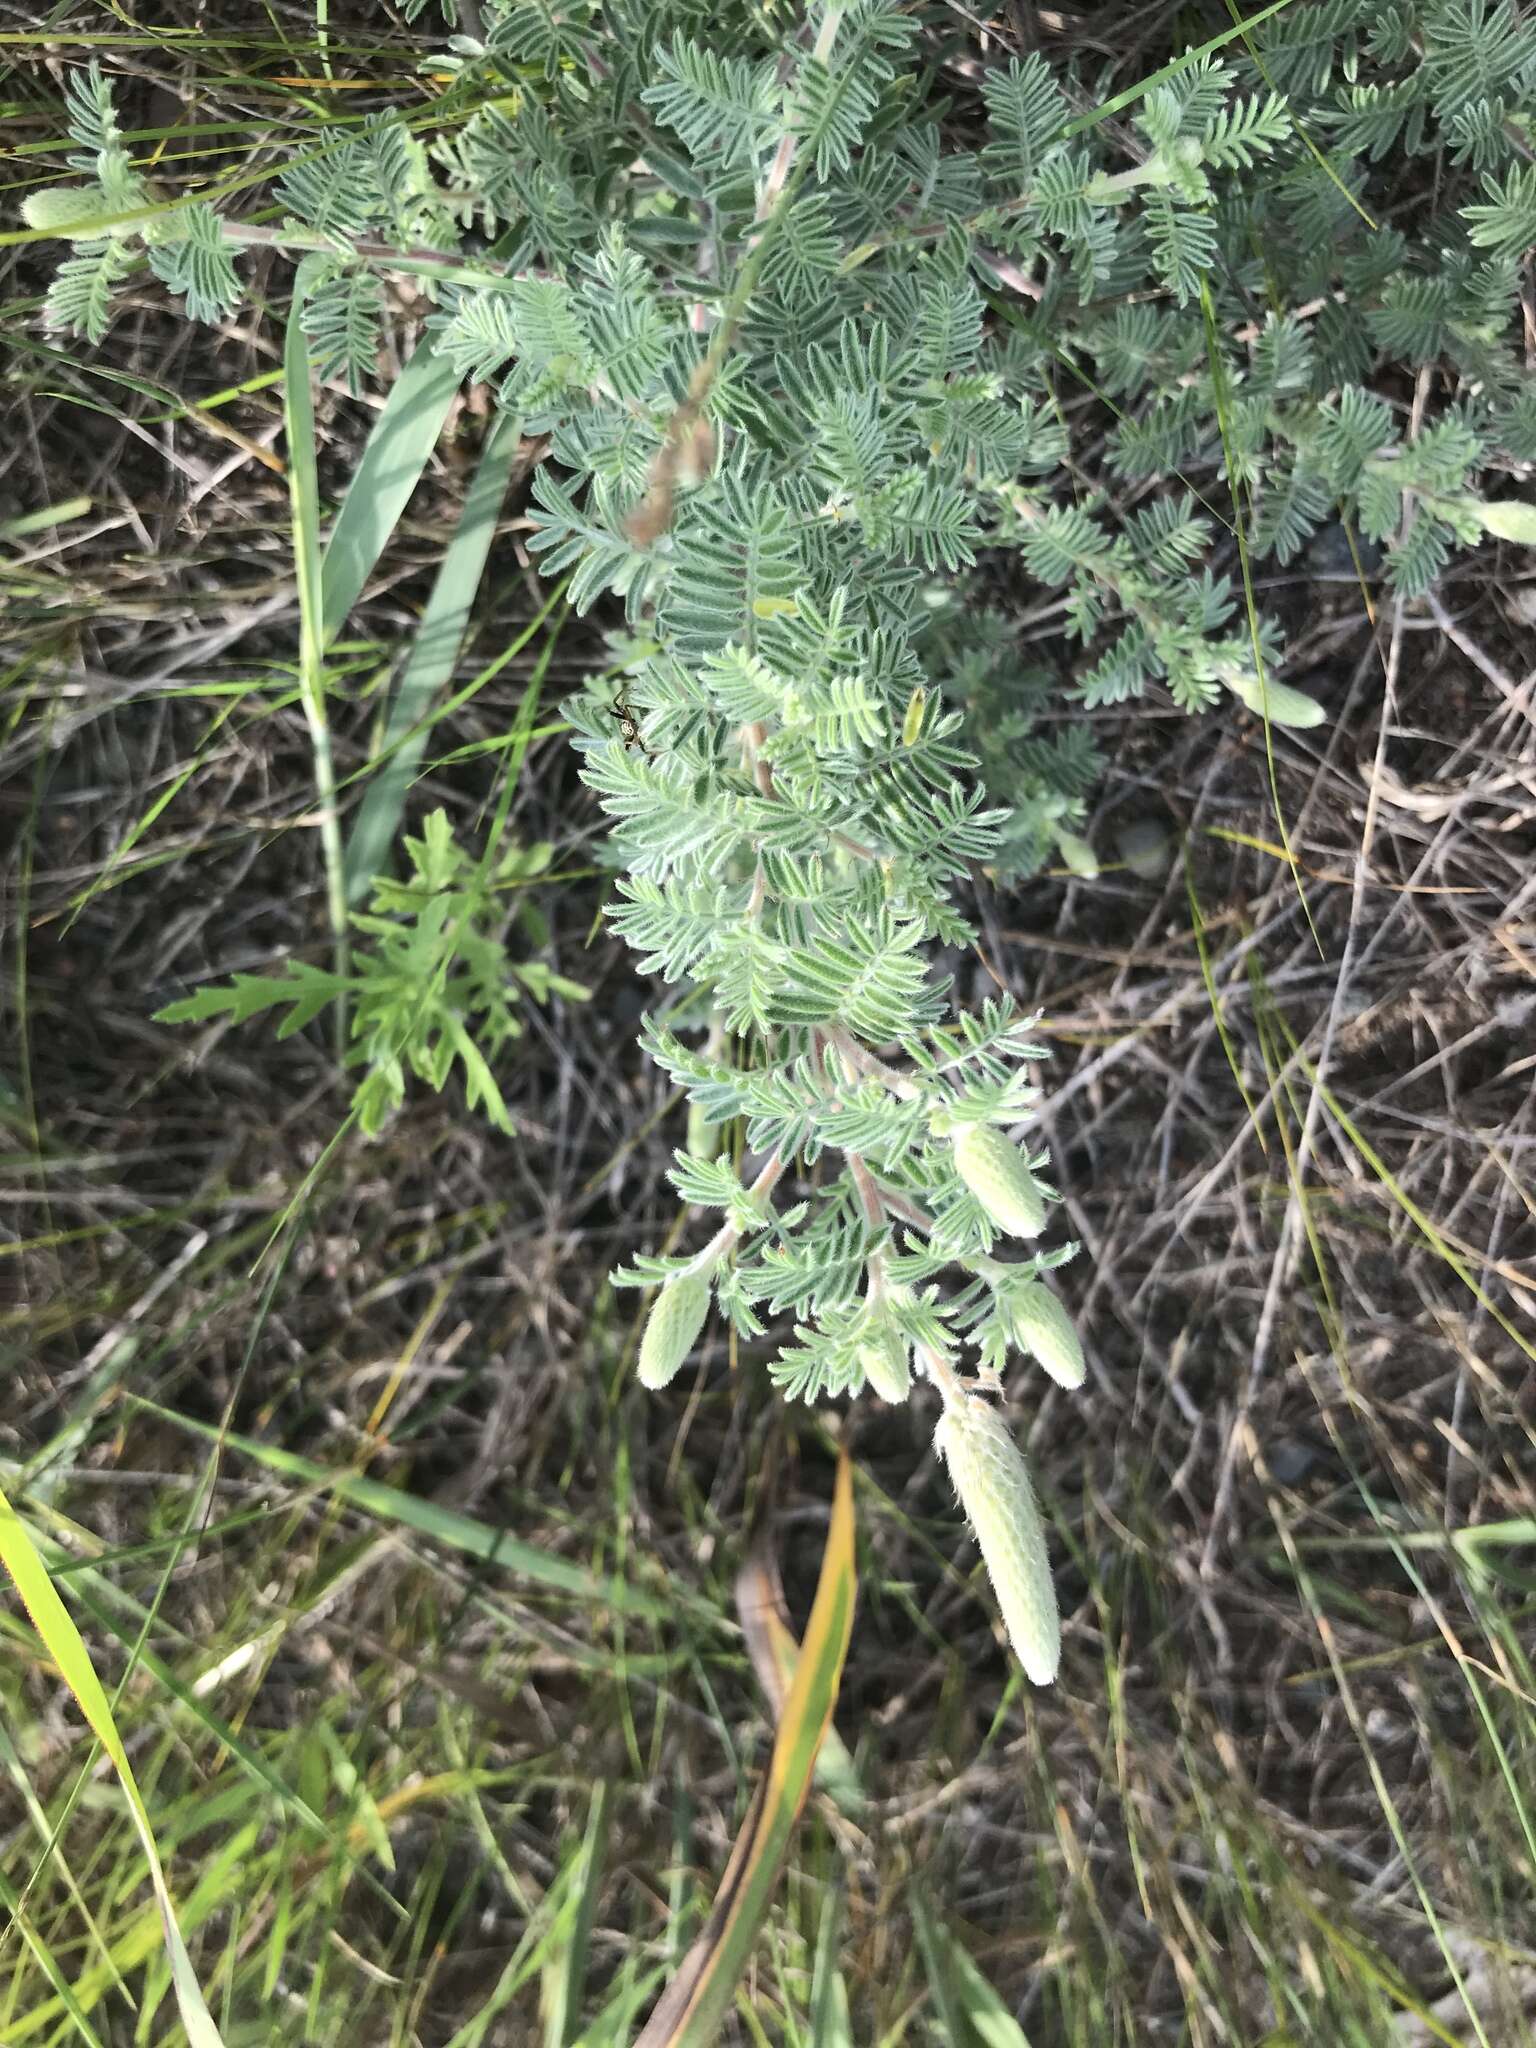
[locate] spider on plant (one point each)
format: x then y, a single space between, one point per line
629 724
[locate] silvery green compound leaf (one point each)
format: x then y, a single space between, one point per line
992 1481
1039 1324
995 1171
672 1328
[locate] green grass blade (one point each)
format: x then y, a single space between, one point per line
614 2025
63 1642
432 657
212 1724
943 1994
304 496
565 1975
1181 63
398 450
831 2026
970 2012
517 741
48 516
426 1518
15 1906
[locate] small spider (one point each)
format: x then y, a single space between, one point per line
629 725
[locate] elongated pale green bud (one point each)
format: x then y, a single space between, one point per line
1078 855
672 1328
1039 1324
995 1172
704 1139
64 206
887 1367
1277 702
1509 518
992 1481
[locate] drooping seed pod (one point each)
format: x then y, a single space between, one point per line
995 1172
672 1328
990 1477
1039 1324
1506 518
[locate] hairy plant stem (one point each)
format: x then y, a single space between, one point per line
730 1234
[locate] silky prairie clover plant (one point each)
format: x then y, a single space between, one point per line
929 1182
791 819
749 292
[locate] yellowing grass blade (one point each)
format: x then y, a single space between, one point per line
63 1643
690 2010
775 1652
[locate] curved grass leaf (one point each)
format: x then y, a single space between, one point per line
691 2009
442 1525
398 450
431 659
63 1642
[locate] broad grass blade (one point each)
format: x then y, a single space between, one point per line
969 2011
63 1642
431 661
398 450
775 1651
691 2009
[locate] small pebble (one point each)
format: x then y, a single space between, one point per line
1146 847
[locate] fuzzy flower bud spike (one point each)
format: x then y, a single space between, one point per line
996 1173
1040 1325
887 1367
990 1477
672 1328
